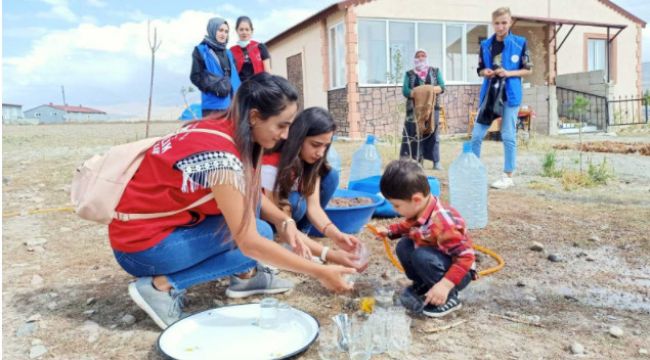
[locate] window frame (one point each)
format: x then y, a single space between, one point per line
332 42
443 39
612 54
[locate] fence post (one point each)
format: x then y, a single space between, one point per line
606 115
645 105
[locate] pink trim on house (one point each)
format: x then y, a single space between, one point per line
324 53
351 60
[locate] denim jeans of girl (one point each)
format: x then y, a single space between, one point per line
328 185
192 254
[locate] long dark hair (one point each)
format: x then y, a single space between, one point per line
310 122
269 95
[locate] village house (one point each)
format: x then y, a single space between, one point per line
52 114
351 57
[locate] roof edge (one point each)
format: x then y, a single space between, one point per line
623 12
341 5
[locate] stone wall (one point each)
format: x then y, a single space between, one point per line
459 101
337 103
382 108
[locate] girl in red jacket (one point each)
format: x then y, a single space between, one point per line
250 56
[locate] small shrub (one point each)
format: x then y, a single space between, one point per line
572 180
599 174
549 168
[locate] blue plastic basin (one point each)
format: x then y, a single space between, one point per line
350 220
371 185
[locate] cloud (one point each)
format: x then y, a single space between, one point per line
231 9
279 20
96 3
107 66
59 9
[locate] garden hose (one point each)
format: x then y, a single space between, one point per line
396 263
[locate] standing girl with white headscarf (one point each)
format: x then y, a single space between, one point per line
429 146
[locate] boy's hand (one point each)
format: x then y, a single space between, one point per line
438 293
382 230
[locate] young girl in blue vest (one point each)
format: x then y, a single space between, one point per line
250 56
504 55
213 69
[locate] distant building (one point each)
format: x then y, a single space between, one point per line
11 112
52 114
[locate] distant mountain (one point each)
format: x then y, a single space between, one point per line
645 71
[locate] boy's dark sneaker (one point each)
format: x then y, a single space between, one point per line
452 304
411 300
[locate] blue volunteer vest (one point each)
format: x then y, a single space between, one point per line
211 101
513 45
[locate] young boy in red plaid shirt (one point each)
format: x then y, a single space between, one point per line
435 249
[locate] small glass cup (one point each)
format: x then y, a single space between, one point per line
377 323
384 296
398 333
360 347
268 313
364 255
328 343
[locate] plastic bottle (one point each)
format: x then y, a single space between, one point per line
468 188
333 158
366 161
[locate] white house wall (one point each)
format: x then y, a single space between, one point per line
570 56
307 42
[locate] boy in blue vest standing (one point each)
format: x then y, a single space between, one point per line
503 55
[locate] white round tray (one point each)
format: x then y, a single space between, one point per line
231 332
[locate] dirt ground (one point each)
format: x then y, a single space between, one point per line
64 294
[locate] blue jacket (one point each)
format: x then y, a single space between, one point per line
513 46
210 100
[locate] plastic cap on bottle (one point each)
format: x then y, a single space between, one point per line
467 147
370 139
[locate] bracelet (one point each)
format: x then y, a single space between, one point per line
323 254
286 222
325 228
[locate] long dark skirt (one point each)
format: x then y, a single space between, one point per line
429 145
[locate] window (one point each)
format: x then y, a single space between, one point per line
474 35
451 47
597 55
337 56
372 45
430 39
401 48
454 54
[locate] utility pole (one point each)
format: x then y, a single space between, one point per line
63 94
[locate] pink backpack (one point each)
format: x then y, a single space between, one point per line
98 184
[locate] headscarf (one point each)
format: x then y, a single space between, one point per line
211 38
421 67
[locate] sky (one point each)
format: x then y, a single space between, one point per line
98 50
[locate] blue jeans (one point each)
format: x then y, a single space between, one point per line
425 266
192 254
328 185
508 137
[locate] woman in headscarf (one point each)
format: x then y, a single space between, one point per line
213 69
429 144
251 57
